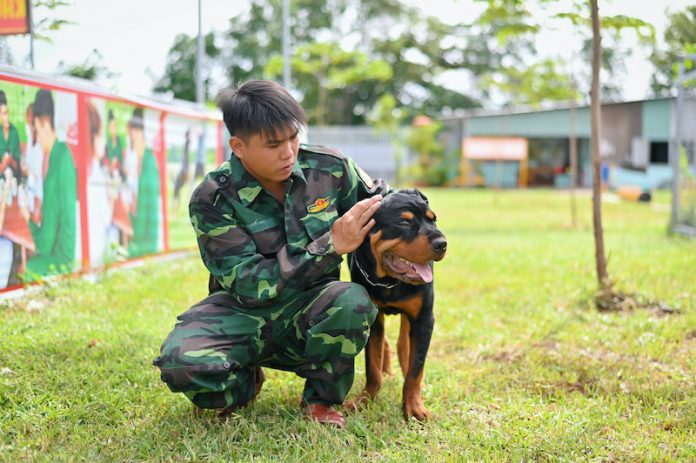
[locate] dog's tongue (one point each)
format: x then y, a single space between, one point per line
424 271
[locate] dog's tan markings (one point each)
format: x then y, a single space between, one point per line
412 401
410 307
407 215
429 214
378 246
403 344
375 351
418 250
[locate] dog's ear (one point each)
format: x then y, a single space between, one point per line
414 191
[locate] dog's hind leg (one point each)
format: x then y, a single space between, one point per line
386 359
374 351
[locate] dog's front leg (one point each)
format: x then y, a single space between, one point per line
419 342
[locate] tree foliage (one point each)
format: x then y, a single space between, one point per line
92 68
527 78
179 77
44 19
680 39
326 74
384 34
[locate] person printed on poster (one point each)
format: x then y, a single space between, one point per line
55 236
145 216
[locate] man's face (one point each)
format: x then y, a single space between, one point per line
4 116
269 159
138 140
44 134
112 128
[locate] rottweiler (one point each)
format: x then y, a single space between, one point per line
395 265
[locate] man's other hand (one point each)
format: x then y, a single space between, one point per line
349 231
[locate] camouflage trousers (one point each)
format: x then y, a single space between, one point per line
212 354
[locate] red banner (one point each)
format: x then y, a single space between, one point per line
14 17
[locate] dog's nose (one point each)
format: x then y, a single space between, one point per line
439 245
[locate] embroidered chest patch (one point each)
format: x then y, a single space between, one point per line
319 205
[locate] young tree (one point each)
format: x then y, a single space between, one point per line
596 123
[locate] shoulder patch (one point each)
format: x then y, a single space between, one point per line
321 149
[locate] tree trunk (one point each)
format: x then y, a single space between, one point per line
600 257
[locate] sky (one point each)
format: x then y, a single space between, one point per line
134 36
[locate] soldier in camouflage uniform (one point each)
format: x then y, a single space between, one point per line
272 224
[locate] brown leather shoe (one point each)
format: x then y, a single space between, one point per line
324 414
259 378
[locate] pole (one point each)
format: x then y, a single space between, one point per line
199 59
286 45
31 34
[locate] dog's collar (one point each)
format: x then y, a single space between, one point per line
367 278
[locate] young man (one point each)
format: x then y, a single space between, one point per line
145 219
10 154
114 150
54 237
272 224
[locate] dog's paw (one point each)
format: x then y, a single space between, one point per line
360 401
415 409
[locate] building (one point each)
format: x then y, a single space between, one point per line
634 146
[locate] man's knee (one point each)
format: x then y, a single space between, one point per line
344 325
206 346
354 298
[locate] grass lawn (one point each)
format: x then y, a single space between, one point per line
521 367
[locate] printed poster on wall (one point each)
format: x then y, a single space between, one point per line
39 207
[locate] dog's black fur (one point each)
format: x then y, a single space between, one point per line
404 230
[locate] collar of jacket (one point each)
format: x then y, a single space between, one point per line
246 185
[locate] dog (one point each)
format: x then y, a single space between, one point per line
395 265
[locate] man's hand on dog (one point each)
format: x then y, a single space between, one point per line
349 230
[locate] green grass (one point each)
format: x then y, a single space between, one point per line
521 366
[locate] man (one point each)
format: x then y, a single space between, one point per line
114 150
145 219
54 237
11 157
10 154
272 224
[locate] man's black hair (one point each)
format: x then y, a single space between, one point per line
260 107
110 115
3 98
43 106
137 121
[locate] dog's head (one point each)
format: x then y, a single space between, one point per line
405 239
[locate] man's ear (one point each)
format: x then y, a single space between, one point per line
238 147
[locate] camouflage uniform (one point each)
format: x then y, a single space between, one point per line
275 299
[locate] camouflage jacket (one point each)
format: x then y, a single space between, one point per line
261 251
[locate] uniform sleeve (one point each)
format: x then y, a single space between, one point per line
357 185
251 278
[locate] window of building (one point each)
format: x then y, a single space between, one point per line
659 152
